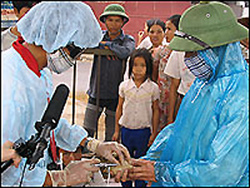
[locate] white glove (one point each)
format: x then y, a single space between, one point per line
106 150
77 172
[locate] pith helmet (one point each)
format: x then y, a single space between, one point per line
114 10
205 25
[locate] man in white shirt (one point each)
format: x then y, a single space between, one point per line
181 80
177 69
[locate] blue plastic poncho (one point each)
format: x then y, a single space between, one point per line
208 144
56 24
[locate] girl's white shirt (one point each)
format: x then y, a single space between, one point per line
137 106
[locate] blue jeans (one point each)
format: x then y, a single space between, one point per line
136 141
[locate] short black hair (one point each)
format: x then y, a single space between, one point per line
175 19
157 22
20 4
149 22
145 54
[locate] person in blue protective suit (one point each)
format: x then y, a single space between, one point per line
46 29
208 144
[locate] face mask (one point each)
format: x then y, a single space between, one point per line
197 65
59 61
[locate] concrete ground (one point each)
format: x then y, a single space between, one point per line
82 82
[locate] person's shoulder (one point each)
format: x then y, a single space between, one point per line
176 55
129 37
124 82
152 84
128 81
179 53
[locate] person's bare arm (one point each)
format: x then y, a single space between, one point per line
117 118
173 98
155 121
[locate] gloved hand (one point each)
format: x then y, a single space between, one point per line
107 149
77 172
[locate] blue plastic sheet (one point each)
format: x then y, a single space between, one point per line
208 144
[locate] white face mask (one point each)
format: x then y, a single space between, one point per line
59 61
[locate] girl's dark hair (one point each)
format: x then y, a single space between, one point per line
175 19
145 54
156 22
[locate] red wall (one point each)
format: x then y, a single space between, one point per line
140 11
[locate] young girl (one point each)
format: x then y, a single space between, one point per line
137 113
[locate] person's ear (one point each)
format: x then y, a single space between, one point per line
23 11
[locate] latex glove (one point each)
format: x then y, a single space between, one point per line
108 149
75 173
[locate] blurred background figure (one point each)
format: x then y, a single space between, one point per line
111 74
181 77
156 35
11 34
143 38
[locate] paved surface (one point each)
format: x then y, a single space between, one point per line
82 83
82 75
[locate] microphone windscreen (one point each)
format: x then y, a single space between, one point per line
56 105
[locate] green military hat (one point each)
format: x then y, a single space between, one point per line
205 25
114 10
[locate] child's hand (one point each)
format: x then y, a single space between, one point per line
151 140
115 136
140 34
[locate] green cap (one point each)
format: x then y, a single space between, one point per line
207 24
114 10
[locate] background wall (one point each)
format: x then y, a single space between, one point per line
140 11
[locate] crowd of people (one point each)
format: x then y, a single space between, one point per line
180 119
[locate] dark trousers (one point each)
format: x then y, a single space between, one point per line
92 116
136 141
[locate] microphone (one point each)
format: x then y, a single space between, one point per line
34 148
54 110
49 122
